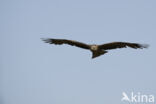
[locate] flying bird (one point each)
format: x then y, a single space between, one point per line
97 50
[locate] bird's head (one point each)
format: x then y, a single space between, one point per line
94 47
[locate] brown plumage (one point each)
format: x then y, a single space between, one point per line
96 50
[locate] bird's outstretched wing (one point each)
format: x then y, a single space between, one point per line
115 45
65 41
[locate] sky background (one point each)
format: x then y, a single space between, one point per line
33 72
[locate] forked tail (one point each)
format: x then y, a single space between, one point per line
98 53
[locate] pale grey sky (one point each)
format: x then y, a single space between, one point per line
32 72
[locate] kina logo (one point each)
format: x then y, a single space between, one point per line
137 98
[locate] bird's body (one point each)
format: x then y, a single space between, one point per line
96 50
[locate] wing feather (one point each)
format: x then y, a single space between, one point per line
65 41
115 45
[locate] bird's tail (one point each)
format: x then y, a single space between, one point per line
98 53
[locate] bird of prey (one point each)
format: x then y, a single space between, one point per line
96 50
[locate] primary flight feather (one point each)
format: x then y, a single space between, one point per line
96 50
